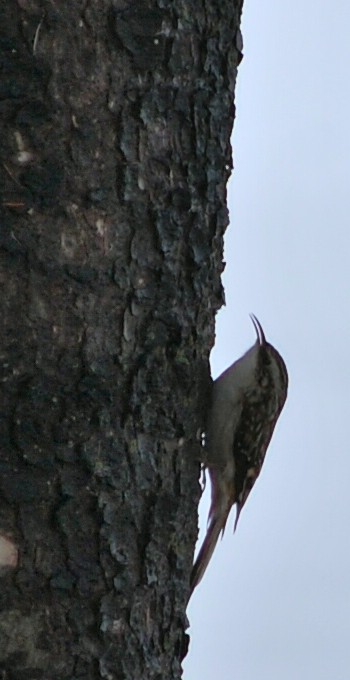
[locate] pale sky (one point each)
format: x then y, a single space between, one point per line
274 603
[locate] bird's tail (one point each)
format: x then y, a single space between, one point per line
217 522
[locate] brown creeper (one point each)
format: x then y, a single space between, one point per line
246 402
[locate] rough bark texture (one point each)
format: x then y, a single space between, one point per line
115 121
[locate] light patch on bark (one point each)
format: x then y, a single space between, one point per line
8 553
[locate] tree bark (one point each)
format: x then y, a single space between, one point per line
115 151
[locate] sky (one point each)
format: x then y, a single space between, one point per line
275 601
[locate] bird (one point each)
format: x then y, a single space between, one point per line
246 402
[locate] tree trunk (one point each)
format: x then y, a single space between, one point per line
115 151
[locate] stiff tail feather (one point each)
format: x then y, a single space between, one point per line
217 524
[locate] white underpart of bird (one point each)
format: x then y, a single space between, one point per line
246 401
